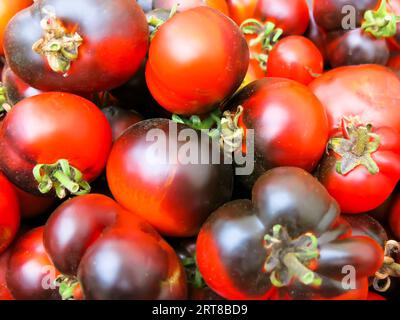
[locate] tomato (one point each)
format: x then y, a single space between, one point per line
15 88
356 47
316 34
363 166
394 218
369 92
289 123
173 193
277 241
120 119
112 253
331 14
31 275
9 213
296 58
8 8
189 4
5 293
241 10
188 59
95 45
31 205
64 137
365 225
292 16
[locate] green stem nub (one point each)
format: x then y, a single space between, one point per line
59 46
355 147
4 105
380 23
290 259
67 286
62 177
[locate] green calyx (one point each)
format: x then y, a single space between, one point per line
355 148
158 17
62 177
380 23
58 45
267 34
67 287
289 259
225 127
4 105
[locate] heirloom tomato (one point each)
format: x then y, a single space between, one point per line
172 183
281 242
77 45
189 57
111 253
54 140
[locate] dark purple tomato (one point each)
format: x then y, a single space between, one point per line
356 47
174 184
77 45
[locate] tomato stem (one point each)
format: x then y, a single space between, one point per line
390 267
289 259
58 45
380 23
355 147
5 106
62 177
67 286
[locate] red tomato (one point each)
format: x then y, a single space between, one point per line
175 197
363 166
5 293
47 128
8 8
241 10
296 58
32 205
183 73
292 16
112 253
290 124
31 274
9 213
369 92
96 45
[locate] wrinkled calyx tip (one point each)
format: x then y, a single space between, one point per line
355 147
62 177
380 23
59 46
290 259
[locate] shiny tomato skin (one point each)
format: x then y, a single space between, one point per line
290 124
9 213
173 196
8 8
354 47
115 41
292 16
16 88
52 126
357 191
86 233
329 14
375 296
30 267
5 293
189 4
240 10
188 59
231 254
370 92
296 58
316 34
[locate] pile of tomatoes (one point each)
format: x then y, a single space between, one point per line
308 92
